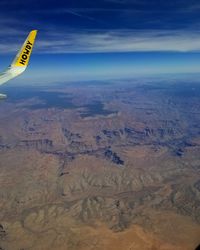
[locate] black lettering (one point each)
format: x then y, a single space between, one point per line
26 51
22 62
24 56
28 47
29 43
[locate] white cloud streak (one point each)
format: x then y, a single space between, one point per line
100 41
120 41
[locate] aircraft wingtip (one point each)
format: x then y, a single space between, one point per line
34 31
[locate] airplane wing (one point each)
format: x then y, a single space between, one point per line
21 60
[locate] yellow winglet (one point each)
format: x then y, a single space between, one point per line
23 56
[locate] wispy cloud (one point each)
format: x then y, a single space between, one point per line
120 41
64 37
110 41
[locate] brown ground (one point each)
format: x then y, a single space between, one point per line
126 181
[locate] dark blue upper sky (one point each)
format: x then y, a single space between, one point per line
108 38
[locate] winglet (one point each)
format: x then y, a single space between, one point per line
20 62
23 56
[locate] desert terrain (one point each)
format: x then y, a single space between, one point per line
111 165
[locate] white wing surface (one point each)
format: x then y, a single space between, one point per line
20 62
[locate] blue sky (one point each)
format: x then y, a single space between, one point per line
80 40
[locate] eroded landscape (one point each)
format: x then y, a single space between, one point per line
100 165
